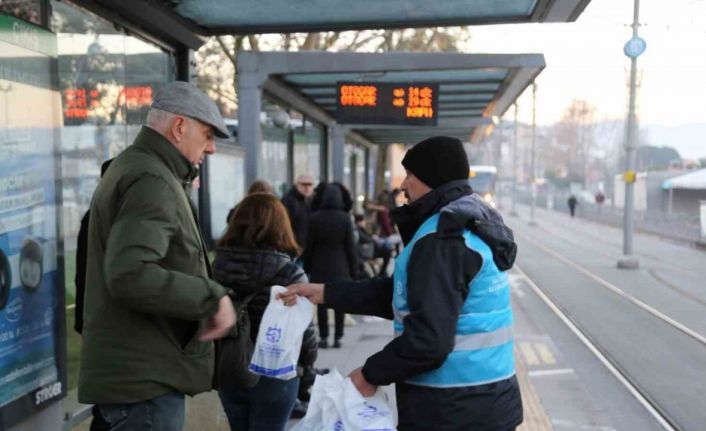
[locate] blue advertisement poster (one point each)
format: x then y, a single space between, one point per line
31 291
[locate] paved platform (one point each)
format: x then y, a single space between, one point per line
369 334
647 322
554 396
363 337
564 386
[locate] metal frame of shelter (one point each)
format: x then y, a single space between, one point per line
184 22
487 85
282 16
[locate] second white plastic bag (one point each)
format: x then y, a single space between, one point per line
279 338
336 405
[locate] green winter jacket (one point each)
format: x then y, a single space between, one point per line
149 290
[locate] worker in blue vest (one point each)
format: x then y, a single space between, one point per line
452 357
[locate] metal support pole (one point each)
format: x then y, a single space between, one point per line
629 261
533 174
338 134
671 201
249 129
497 161
513 211
701 242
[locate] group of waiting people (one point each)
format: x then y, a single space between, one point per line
154 304
338 245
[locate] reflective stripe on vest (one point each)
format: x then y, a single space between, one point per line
483 350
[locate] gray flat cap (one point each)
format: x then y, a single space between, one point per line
183 98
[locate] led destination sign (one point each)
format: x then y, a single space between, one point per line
399 103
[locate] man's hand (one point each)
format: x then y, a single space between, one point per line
221 322
366 389
311 291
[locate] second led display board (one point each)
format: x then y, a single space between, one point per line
399 103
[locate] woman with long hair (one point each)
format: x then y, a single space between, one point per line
256 253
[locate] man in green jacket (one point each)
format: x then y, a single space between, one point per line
151 306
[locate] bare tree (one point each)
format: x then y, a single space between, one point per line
216 61
574 140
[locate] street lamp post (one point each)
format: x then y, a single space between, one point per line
633 48
513 211
533 174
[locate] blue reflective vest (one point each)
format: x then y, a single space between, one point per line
484 340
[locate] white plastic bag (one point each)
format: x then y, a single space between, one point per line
279 338
336 405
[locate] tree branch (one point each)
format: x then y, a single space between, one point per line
254 43
356 44
226 51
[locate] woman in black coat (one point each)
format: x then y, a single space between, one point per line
330 253
255 254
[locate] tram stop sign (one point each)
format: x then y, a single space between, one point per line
635 47
396 103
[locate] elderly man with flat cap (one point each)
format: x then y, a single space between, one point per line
452 355
152 308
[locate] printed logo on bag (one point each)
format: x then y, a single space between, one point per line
274 334
14 310
370 411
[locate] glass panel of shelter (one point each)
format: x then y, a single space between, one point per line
307 150
275 141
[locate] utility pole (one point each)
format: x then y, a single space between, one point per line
513 211
533 174
633 48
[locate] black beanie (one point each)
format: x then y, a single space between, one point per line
438 160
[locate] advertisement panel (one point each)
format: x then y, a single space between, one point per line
32 329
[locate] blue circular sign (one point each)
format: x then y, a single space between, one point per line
635 47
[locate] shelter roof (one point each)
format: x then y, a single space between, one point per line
695 180
282 16
187 21
473 88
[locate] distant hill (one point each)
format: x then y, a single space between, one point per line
688 139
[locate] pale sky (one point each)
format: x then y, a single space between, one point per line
585 60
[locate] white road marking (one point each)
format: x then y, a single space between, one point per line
552 372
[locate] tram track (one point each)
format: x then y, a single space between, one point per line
616 290
656 411
673 358
665 266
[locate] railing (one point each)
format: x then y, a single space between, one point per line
676 226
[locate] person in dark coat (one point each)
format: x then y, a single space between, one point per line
98 423
330 252
81 257
318 197
297 206
255 254
572 204
452 358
